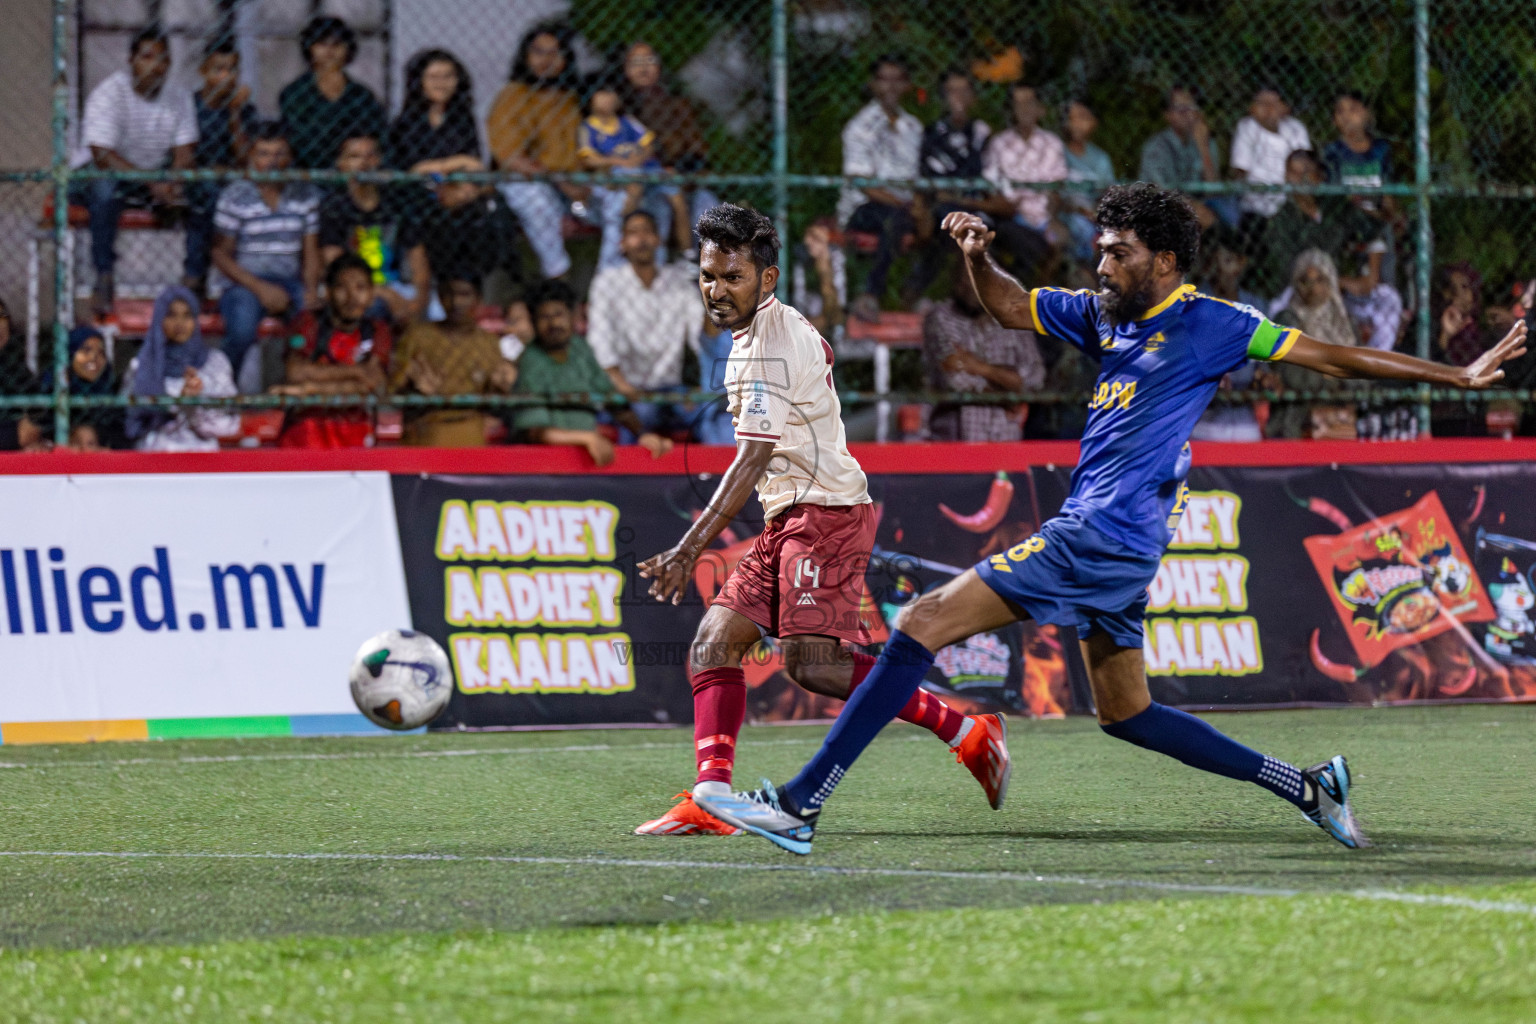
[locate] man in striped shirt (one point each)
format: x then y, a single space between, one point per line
134 120
268 246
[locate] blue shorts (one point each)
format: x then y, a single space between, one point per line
1071 574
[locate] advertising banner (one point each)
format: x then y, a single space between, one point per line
1282 586
126 598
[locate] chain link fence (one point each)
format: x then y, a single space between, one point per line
219 156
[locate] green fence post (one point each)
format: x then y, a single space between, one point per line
1421 176
781 140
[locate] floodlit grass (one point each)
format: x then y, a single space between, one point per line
492 877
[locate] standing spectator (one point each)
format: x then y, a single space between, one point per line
640 319
1260 147
612 141
1026 152
1359 159
323 106
532 129
88 374
964 349
437 119
174 361
225 117
454 357
882 141
1329 223
560 363
1185 152
468 233
680 143
1317 308
268 246
19 430
373 222
1090 165
339 350
136 119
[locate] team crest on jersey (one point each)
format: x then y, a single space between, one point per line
1154 343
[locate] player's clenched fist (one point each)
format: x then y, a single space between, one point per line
969 231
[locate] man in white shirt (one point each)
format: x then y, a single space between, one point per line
1260 145
881 141
134 120
640 317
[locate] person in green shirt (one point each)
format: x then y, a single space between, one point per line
560 363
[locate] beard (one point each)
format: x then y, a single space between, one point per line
1123 307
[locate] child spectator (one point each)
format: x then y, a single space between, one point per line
174 361
560 363
339 350
88 374
324 105
518 322
612 141
268 246
225 119
371 221
1359 159
136 119
454 357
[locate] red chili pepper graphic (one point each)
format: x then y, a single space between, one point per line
1477 506
1329 512
1332 669
990 514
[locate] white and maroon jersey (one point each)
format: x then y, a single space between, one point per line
778 388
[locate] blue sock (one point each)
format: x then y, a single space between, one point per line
880 698
1186 738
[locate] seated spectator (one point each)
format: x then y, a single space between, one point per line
372 221
517 321
469 233
1317 308
611 141
267 244
1261 146
964 349
88 374
640 319
437 119
324 106
174 361
1222 421
1026 152
225 118
339 350
454 357
1185 152
1090 165
882 141
19 430
1359 159
1457 310
560 363
1330 223
136 119
680 143
531 129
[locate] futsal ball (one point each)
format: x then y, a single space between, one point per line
401 679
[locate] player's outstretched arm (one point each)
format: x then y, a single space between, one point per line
1346 362
670 571
1000 292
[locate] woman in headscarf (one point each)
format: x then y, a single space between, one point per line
175 361
1317 308
88 374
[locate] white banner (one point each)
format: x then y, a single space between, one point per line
191 596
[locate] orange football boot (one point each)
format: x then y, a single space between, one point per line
985 752
688 819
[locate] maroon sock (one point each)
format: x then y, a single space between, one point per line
923 709
719 706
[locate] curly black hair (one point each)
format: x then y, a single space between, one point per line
1161 218
733 228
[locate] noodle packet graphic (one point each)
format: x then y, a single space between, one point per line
1399 579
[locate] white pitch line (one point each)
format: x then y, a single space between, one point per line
361 755
1381 895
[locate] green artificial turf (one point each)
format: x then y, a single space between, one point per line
482 877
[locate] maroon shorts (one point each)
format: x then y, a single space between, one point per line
805 574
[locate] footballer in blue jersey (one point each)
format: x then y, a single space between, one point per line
1163 348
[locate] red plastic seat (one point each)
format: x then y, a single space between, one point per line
903 330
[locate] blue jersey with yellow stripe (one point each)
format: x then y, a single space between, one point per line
1157 376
